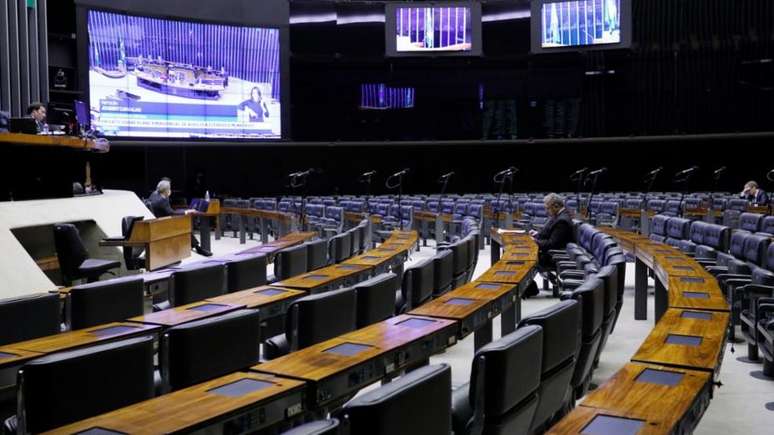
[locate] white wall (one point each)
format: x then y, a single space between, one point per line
19 274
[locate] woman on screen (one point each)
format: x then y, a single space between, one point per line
254 107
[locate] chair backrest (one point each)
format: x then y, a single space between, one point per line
755 246
106 301
246 271
28 317
696 232
659 225
355 238
736 246
196 283
291 262
677 228
197 351
131 254
509 378
89 381
416 404
316 254
767 225
609 275
591 295
443 273
460 261
340 247
69 249
716 236
316 318
420 278
560 323
750 221
376 298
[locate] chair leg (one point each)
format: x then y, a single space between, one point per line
752 352
768 368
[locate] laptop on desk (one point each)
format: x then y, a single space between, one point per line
23 125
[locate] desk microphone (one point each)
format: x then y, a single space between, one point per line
770 175
401 173
598 171
445 176
686 172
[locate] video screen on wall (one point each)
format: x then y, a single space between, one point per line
160 78
452 28
379 96
592 24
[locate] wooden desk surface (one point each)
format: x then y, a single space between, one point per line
485 290
53 141
258 297
690 292
710 334
186 409
323 277
507 271
10 356
370 258
663 404
82 337
452 305
185 313
512 253
314 364
576 421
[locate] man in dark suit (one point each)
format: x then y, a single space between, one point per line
159 205
754 194
555 234
37 111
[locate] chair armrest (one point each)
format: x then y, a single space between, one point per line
572 274
563 296
557 251
276 347
461 410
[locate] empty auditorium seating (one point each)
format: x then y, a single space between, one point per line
417 285
443 275
133 259
340 247
591 295
74 260
208 348
291 262
195 283
28 317
560 343
415 404
313 319
89 382
677 229
501 396
750 221
376 298
316 254
105 301
658 228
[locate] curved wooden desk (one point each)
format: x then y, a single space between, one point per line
668 385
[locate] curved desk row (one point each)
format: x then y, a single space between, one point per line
322 376
668 384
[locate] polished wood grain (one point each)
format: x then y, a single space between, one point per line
678 298
664 405
166 240
10 356
705 356
186 409
323 277
53 141
429 216
370 258
83 337
440 307
581 416
313 363
253 298
48 263
183 314
508 271
213 209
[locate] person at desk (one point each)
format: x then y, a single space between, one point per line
754 194
254 107
37 111
555 234
159 205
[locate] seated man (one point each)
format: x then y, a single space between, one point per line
160 207
556 234
754 194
